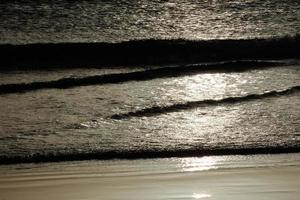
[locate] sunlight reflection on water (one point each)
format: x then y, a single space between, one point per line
201 196
200 164
64 121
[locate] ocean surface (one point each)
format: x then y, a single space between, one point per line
118 20
175 109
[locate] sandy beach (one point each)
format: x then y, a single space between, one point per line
214 177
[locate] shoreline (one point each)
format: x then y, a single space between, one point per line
210 177
148 154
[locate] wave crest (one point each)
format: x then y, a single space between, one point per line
164 72
143 52
157 110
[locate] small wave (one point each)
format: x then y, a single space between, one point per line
145 154
144 52
157 110
226 66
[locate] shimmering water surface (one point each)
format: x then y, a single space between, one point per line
78 119
110 21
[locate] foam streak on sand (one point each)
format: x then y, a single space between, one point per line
147 154
214 177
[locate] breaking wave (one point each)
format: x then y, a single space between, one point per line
144 52
164 72
157 110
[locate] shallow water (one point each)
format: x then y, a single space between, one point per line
77 120
212 177
91 120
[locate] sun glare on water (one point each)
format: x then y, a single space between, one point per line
199 164
200 196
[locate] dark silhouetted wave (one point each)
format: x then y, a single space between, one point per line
228 66
157 110
145 154
144 52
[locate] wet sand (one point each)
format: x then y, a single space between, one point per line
214 177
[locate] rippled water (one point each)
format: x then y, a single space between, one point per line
111 21
78 120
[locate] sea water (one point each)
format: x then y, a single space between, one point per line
80 122
111 21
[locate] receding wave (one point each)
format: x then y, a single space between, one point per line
226 66
144 52
157 110
144 154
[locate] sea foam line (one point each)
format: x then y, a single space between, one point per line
146 154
